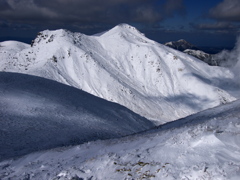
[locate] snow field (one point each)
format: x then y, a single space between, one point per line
202 146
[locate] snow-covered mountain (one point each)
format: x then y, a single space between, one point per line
181 45
123 66
202 146
8 49
38 114
188 48
205 57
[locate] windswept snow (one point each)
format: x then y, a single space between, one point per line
202 146
38 114
123 66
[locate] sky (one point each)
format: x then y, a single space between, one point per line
213 23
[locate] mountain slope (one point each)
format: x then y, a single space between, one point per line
37 114
123 66
201 146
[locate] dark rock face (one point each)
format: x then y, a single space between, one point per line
181 45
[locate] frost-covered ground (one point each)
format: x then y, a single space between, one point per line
123 66
37 114
202 146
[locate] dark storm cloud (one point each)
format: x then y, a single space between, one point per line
4 5
88 11
23 11
228 10
173 6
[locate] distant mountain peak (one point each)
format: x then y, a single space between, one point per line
183 40
181 45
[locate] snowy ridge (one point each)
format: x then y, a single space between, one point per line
205 57
123 66
201 146
38 114
9 49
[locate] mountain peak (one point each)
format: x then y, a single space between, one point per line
124 25
123 28
181 45
48 36
183 41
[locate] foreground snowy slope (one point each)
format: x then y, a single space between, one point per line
203 146
37 114
123 66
